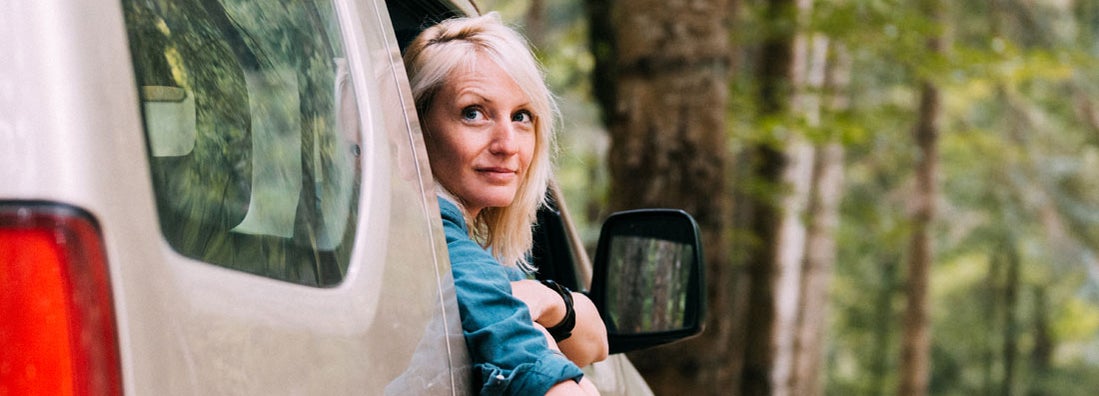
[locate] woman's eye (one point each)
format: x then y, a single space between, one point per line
471 113
523 116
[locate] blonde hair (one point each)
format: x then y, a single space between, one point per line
431 58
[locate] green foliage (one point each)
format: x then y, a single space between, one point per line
1015 166
1019 172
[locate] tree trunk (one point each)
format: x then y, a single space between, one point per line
535 22
916 347
1041 354
881 371
916 344
990 319
790 245
661 75
817 272
810 54
1011 306
769 164
820 251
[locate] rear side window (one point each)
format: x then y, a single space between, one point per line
253 133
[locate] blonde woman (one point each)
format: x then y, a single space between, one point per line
488 121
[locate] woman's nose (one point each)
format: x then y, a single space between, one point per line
503 139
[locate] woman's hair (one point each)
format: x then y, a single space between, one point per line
456 43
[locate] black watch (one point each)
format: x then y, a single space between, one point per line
562 330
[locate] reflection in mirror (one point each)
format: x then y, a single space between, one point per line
647 278
648 292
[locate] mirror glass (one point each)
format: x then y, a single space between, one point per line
648 284
647 279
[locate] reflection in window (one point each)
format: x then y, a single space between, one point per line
253 133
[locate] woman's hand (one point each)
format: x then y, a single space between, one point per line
588 343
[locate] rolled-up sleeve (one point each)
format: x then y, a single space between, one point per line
510 354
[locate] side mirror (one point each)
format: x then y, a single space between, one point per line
648 279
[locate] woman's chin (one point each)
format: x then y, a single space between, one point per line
496 199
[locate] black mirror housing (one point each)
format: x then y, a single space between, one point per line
647 279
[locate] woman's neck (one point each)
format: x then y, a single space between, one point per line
466 211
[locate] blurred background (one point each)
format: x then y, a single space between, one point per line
896 197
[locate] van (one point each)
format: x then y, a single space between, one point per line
231 197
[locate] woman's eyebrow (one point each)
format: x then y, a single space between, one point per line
474 92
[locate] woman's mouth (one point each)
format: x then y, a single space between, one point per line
498 174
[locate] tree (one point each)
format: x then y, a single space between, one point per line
661 77
1021 155
770 227
820 249
916 344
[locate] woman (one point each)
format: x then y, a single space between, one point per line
488 122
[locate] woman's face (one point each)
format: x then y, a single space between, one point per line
480 136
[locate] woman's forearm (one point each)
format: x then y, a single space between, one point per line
588 343
545 306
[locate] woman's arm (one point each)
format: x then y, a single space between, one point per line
568 388
507 350
571 388
588 343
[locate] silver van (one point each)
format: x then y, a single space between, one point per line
232 197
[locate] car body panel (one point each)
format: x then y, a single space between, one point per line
71 131
188 327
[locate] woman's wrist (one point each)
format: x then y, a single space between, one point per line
563 329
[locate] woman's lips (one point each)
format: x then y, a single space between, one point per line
498 174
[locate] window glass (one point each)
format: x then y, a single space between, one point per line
253 133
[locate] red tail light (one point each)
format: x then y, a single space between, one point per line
57 330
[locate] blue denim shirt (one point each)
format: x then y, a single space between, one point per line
511 356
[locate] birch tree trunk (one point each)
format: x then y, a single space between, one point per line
807 78
820 250
790 246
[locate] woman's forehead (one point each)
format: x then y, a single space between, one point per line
485 77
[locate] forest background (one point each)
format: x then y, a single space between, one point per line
896 197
